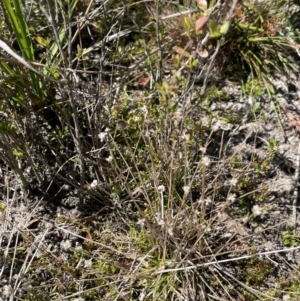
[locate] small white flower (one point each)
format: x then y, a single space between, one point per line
7 290
250 101
141 222
78 247
286 297
94 184
233 182
161 188
207 229
142 296
231 198
228 234
201 201
66 245
205 161
158 219
213 106
136 118
170 231
161 222
66 187
256 210
216 126
102 136
186 189
207 201
88 263
109 159
156 216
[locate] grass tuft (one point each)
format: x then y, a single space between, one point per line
132 167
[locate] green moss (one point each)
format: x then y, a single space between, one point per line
231 117
289 239
257 271
253 88
104 266
141 238
288 288
215 93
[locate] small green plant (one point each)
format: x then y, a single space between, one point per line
290 239
214 93
257 271
253 88
250 36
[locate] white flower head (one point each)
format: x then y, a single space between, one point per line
186 190
231 198
88 263
256 210
216 126
161 222
109 159
66 245
286 298
141 222
207 229
233 182
78 247
205 161
7 290
201 201
207 201
94 184
158 219
66 187
202 149
102 136
170 231
161 188
136 118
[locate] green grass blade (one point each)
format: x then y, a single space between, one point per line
17 19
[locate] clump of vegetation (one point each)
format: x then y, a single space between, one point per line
108 108
290 239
